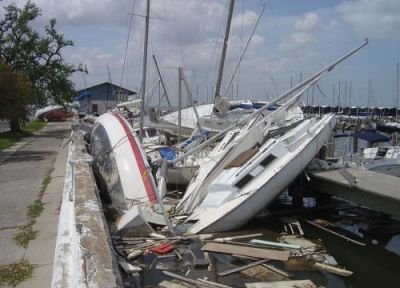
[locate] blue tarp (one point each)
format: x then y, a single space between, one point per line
371 137
167 153
82 96
194 138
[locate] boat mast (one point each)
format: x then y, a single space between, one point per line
397 102
146 39
244 49
224 47
162 81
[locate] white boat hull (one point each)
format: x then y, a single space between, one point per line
120 163
238 211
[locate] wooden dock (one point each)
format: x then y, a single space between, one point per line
378 191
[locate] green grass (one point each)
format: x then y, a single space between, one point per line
33 126
15 273
35 209
7 139
25 235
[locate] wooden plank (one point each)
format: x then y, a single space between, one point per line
237 269
246 251
276 270
213 284
332 269
283 284
335 233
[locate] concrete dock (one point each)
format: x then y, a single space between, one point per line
378 191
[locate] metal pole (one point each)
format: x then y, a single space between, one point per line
397 102
314 77
244 49
161 79
180 103
224 47
146 39
190 96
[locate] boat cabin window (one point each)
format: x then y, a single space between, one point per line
246 179
267 160
242 182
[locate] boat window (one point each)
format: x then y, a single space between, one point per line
267 160
242 182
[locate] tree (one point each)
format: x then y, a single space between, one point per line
15 96
37 56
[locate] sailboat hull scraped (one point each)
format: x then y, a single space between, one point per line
242 191
120 165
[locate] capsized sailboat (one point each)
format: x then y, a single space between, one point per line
247 185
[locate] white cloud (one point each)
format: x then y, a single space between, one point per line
310 21
244 21
296 41
373 18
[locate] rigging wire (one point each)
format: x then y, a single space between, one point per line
127 44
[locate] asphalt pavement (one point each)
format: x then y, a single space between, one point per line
22 173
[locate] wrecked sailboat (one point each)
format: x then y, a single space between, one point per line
257 176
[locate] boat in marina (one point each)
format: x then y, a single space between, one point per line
232 174
213 123
248 184
382 159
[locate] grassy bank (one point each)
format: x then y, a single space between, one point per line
7 138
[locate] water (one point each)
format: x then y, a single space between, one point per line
374 265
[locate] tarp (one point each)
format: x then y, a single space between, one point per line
82 96
167 153
371 137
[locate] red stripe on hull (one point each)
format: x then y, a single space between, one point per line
139 159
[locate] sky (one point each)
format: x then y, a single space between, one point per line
294 39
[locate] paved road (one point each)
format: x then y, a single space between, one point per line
21 177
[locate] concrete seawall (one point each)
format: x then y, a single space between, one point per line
83 257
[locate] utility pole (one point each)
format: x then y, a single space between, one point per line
146 39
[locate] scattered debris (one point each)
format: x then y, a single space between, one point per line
237 237
292 223
246 251
129 268
276 270
237 269
283 284
331 269
317 223
274 244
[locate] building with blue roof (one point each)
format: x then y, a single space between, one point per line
102 97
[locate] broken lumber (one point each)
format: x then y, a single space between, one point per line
332 269
278 271
335 233
237 269
283 284
197 283
246 251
